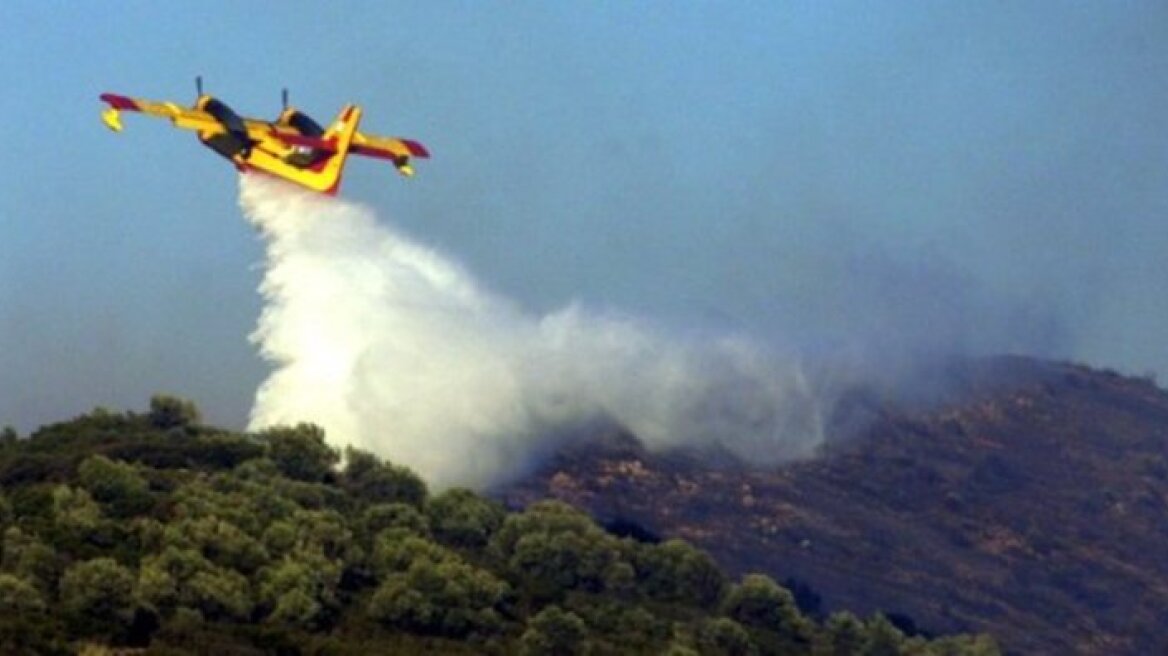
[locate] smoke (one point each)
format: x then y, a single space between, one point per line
393 348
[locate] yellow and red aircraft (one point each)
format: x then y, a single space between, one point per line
293 147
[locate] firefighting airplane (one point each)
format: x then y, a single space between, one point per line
294 147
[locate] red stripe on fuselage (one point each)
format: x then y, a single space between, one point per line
312 142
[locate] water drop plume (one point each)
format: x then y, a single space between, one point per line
394 348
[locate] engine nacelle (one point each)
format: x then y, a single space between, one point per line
304 125
232 143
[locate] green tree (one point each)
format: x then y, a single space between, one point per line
883 639
461 518
843 635
280 537
620 626
168 412
620 579
761 603
218 593
382 516
19 596
248 497
75 509
220 541
301 452
223 450
553 548
29 558
371 480
30 631
395 549
164 579
677 571
447 597
156 588
182 577
298 607
327 531
301 588
725 637
185 627
149 533
116 484
78 525
97 596
554 632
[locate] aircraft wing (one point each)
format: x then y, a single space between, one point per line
183 117
390 148
397 151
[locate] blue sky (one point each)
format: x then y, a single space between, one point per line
833 176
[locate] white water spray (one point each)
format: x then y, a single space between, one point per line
393 348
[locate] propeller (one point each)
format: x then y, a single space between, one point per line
284 97
199 84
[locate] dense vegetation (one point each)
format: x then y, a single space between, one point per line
152 531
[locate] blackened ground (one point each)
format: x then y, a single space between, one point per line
1031 502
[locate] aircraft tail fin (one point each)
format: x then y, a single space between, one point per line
323 171
340 134
345 125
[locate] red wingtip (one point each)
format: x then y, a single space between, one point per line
416 149
118 102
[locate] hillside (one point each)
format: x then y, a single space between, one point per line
154 533
1032 504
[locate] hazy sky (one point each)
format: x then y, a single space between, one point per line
837 177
